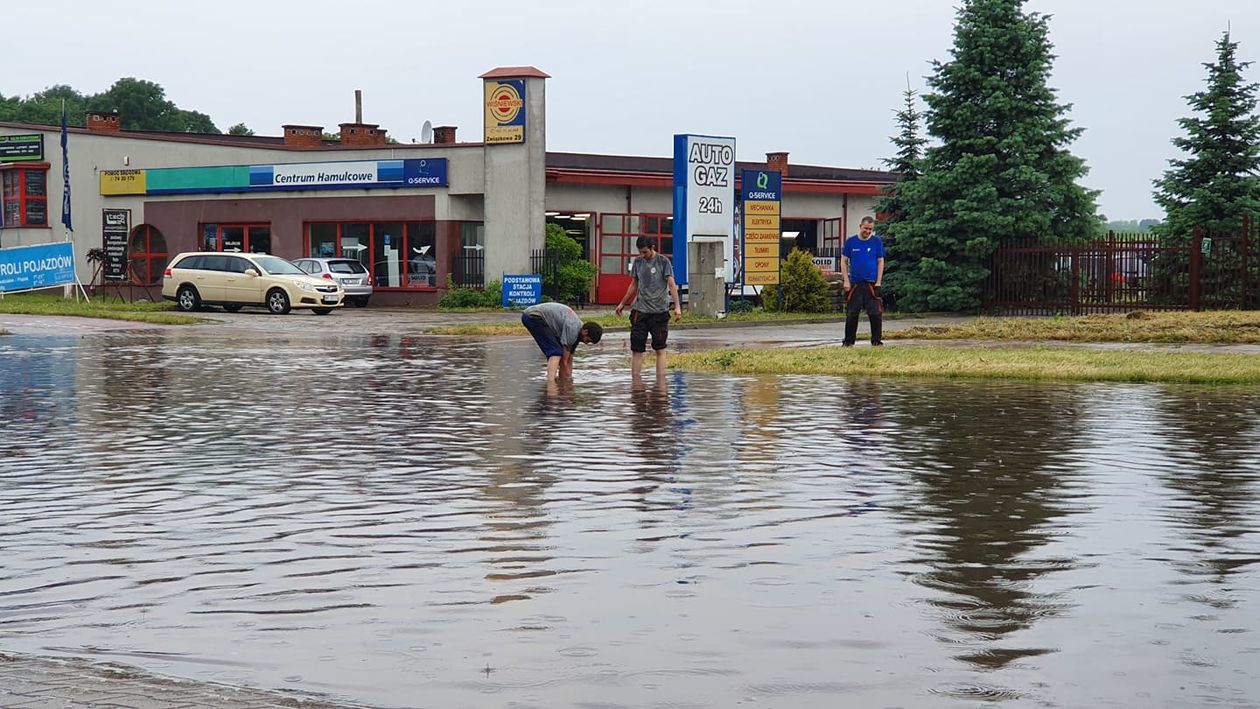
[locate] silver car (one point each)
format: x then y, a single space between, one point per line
352 275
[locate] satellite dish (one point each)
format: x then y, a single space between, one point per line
426 132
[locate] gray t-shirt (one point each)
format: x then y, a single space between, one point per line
561 320
653 276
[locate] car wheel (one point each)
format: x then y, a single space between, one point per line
360 302
187 299
321 311
277 301
232 308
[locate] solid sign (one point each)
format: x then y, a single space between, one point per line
826 264
31 267
704 197
18 148
505 111
354 174
522 290
115 226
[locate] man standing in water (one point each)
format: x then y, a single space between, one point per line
557 330
652 288
863 257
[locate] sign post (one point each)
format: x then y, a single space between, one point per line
704 197
522 290
26 268
763 193
115 227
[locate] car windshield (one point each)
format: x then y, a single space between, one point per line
346 267
278 267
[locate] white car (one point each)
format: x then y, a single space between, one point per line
235 280
352 275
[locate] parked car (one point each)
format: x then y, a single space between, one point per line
235 280
352 275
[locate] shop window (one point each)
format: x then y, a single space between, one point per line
23 196
147 249
236 238
830 236
396 254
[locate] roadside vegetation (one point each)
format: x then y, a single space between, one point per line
1061 364
1219 327
40 304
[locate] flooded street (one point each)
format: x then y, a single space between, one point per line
416 521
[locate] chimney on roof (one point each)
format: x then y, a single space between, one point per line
777 161
358 105
362 135
104 122
444 135
303 136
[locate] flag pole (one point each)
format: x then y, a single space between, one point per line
67 224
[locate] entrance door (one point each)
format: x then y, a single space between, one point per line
617 234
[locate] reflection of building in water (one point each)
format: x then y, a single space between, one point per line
1212 435
39 380
986 496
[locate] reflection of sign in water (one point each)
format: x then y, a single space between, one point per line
522 290
31 267
115 225
505 111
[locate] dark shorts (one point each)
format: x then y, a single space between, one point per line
643 324
546 340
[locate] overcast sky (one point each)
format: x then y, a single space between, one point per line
817 78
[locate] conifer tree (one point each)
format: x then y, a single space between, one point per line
1216 184
910 143
1000 172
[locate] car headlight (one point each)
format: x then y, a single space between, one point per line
306 286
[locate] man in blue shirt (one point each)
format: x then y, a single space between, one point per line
863 259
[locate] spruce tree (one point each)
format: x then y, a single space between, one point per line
1216 184
910 143
1000 173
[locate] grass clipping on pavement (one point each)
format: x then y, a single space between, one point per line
1064 364
1217 327
140 311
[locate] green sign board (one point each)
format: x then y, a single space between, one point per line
1206 246
17 148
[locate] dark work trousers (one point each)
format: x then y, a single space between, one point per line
862 297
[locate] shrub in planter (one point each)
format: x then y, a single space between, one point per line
574 275
803 288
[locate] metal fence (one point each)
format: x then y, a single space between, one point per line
1123 272
468 269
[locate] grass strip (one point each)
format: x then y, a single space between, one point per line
1062 364
613 323
146 312
1217 327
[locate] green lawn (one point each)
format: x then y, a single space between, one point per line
1218 327
1063 363
40 304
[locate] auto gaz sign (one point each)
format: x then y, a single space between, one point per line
704 197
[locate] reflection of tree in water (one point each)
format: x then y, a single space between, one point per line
1212 436
991 484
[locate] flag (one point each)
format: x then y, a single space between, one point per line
65 170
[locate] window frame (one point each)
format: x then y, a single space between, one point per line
408 226
17 194
148 255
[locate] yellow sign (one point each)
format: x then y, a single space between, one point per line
754 236
119 182
761 221
505 111
761 278
761 250
763 264
761 208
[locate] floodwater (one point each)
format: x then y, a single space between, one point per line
417 521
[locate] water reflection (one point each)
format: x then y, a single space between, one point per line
991 485
384 518
1214 475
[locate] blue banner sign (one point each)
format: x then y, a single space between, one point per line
522 290
30 267
761 185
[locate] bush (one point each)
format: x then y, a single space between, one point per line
490 297
804 290
573 275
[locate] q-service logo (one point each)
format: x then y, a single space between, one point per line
763 181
